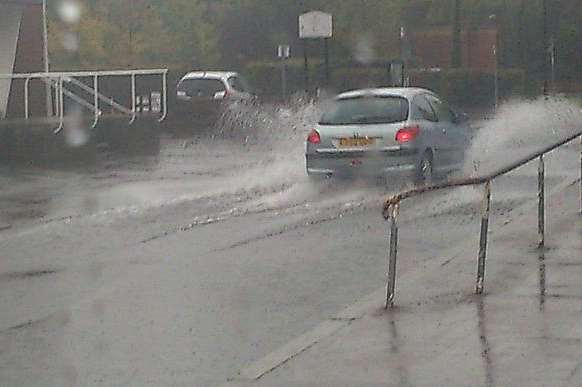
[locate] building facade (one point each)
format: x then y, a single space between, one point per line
21 51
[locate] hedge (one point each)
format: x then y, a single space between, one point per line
473 88
461 87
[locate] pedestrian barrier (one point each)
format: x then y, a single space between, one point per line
57 81
392 207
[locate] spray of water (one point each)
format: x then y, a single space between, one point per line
520 128
277 133
255 160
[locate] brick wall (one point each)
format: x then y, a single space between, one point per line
433 48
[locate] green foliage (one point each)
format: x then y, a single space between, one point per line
265 77
238 34
136 33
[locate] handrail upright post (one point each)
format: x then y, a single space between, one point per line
26 103
57 98
483 237
393 243
95 100
61 100
165 98
133 107
541 202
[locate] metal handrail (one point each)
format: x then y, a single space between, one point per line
67 93
59 77
391 209
103 98
105 73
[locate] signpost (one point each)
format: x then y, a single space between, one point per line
283 53
315 25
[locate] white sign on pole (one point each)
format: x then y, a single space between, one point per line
315 24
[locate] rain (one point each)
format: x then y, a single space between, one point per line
175 210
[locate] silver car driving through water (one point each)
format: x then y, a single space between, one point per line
386 131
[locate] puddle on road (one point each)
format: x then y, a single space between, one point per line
18 206
27 274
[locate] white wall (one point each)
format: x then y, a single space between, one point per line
10 18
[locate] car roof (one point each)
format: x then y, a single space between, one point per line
405 92
209 75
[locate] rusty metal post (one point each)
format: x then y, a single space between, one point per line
541 202
391 275
483 238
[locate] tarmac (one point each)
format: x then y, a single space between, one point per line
524 330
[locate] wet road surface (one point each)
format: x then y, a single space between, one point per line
180 267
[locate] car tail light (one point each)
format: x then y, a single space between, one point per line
314 137
407 134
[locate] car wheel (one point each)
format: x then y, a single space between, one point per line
425 169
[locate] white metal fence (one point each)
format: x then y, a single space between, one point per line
59 81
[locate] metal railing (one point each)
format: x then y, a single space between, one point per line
58 79
392 207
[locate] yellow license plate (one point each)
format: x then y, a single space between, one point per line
356 142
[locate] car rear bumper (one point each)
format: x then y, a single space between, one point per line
362 164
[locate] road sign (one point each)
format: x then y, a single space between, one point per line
315 24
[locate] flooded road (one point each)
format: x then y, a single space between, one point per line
180 266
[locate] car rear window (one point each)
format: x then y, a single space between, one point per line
366 110
201 87
239 84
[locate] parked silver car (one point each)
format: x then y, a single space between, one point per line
387 131
202 94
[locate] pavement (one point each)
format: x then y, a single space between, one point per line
524 331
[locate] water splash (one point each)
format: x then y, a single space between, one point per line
520 128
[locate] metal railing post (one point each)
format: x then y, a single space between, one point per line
165 91
95 100
393 243
483 238
26 103
133 113
61 100
57 101
390 209
541 202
